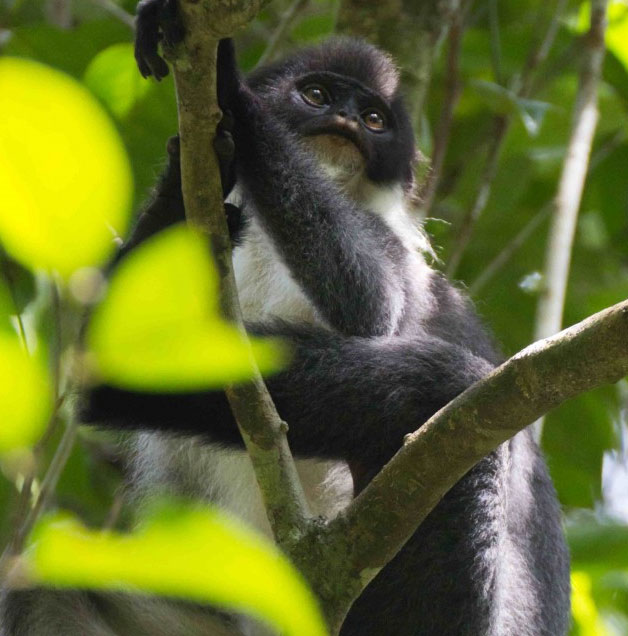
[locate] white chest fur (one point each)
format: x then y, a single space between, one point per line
266 289
265 285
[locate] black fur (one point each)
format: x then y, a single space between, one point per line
490 560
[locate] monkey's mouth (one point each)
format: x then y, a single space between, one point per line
338 131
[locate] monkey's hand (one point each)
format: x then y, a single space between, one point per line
157 21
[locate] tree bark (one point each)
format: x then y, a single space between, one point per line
264 433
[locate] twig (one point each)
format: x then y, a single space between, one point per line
496 47
616 140
262 430
549 312
571 184
116 11
287 20
452 94
48 485
501 124
511 248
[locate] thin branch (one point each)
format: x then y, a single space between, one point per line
263 432
501 125
287 20
616 140
571 184
496 47
411 31
509 251
48 485
549 311
452 94
382 518
116 11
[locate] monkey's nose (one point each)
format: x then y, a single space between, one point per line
345 115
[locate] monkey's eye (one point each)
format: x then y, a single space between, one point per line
373 119
315 95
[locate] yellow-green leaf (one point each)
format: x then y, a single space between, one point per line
65 184
25 398
159 328
112 75
585 613
181 551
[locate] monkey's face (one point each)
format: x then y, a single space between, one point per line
342 99
348 125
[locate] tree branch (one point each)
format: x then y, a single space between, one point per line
195 77
567 202
549 311
383 517
409 30
501 125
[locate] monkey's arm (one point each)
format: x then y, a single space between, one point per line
344 398
166 206
347 260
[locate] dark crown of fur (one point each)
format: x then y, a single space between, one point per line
343 55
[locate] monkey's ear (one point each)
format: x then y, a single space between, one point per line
228 76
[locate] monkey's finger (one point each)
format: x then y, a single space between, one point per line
228 75
227 122
147 38
223 144
171 24
173 146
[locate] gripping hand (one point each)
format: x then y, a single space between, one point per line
158 21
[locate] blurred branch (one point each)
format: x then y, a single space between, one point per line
287 20
59 13
452 94
507 253
602 152
549 313
48 486
571 184
501 125
411 31
116 11
262 430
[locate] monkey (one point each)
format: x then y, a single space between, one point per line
317 158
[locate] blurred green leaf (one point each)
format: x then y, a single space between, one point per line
20 282
584 611
505 102
575 437
113 77
159 326
180 551
599 543
25 397
65 183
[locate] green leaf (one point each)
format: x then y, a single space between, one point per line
180 551
159 327
505 102
584 611
65 184
599 543
113 77
25 397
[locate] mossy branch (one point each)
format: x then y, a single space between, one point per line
194 64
